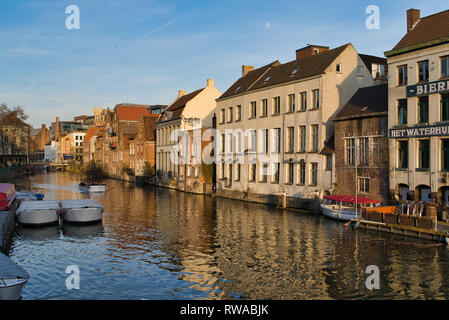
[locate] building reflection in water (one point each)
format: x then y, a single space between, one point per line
168 244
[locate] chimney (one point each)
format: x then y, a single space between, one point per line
57 129
211 83
310 50
413 15
181 93
246 70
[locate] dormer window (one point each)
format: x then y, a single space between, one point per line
267 78
238 89
294 72
316 51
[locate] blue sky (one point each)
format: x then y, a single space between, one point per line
145 51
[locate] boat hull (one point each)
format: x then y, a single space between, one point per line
83 215
12 289
335 213
94 188
38 217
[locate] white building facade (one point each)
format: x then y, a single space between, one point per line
284 113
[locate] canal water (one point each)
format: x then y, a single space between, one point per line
156 243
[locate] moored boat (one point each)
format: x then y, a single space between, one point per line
81 211
29 195
92 187
38 212
7 196
344 208
12 279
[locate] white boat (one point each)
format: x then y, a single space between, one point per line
81 211
12 279
344 208
29 195
95 187
38 212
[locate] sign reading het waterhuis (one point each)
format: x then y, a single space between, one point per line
428 88
418 132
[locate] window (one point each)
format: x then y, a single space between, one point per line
328 162
264 173
303 97
223 143
338 68
378 151
424 154
402 111
359 71
223 174
290 173
445 154
230 143
302 172
350 151
316 98
238 169
252 110
363 152
252 172
314 138
423 109
291 139
265 140
276 105
403 154
238 113
314 174
402 75
316 51
277 169
423 71
230 174
444 66
276 140
444 107
363 185
302 139
264 107
222 116
291 103
230 114
253 141
238 142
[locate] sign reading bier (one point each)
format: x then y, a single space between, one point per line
428 88
419 132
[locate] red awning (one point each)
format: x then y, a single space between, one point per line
351 199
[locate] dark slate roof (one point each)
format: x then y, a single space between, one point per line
329 146
177 107
366 102
282 73
428 28
369 60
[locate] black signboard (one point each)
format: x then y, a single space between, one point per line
424 89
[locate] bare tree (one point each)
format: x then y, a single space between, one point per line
19 110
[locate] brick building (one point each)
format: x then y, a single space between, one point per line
361 143
39 138
14 140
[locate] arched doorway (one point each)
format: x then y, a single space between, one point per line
423 193
403 192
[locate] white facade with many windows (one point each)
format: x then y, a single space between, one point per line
284 127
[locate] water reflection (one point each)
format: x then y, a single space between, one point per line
157 243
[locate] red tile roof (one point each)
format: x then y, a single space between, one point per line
130 113
428 28
93 131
